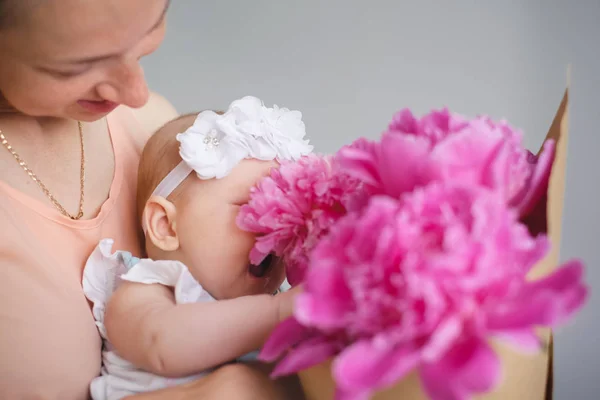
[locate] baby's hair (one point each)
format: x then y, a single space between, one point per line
14 11
159 157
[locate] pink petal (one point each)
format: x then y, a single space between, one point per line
312 311
472 158
257 256
563 278
385 165
402 162
284 336
363 366
438 123
295 273
497 173
546 302
539 247
306 355
359 160
471 367
404 122
525 339
327 279
352 394
444 336
435 126
268 242
539 180
563 290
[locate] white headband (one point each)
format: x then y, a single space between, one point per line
215 143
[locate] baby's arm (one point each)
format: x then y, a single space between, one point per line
151 331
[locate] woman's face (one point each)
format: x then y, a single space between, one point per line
79 59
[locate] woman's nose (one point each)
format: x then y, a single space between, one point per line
125 84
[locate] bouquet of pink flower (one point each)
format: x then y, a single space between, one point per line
413 254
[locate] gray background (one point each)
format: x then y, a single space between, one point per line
348 65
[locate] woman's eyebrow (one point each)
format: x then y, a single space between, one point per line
93 59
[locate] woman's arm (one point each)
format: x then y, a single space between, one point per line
143 122
151 331
155 113
233 381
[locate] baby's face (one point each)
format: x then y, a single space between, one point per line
212 246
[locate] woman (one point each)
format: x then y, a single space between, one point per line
70 81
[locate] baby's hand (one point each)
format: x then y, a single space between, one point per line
286 302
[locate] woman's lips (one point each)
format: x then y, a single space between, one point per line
98 107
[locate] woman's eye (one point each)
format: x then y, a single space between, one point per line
67 74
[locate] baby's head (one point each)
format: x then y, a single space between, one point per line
188 208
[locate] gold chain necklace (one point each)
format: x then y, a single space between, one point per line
47 192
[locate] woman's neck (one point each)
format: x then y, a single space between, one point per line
36 131
51 148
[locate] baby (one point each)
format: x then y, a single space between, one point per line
195 303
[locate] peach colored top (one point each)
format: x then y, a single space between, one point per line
49 344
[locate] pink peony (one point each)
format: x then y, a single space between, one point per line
422 283
395 165
294 207
435 126
448 147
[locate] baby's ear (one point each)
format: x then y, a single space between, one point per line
159 221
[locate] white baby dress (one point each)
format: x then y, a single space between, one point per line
103 273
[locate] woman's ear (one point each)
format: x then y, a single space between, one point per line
159 222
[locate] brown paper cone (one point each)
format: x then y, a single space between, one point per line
524 376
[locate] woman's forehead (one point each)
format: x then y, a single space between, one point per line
75 30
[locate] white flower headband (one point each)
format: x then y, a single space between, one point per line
215 143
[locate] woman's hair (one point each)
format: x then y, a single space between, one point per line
7 12
3 8
4 106
14 12
11 11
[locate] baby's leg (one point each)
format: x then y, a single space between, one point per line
233 381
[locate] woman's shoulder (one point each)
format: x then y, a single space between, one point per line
142 122
157 112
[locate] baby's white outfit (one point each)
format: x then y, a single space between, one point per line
103 273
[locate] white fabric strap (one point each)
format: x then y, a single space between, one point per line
170 183
173 180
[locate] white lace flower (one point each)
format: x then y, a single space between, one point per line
277 132
209 150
